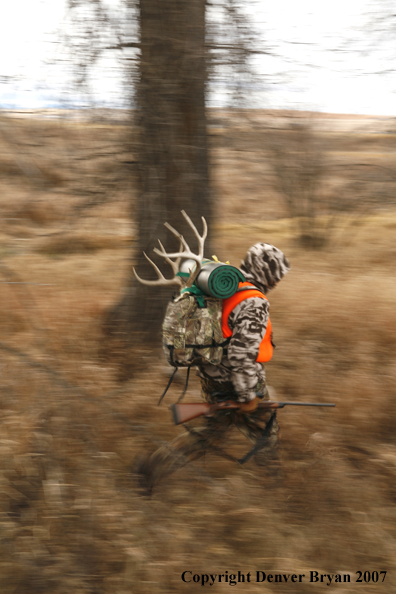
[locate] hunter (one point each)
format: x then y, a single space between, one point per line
239 372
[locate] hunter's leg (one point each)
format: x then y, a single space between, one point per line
252 426
188 447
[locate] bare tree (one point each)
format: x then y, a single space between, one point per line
172 148
170 55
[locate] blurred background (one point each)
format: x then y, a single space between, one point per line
276 123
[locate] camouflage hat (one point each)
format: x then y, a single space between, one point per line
264 266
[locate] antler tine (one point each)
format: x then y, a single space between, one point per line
183 242
185 254
201 244
201 239
175 265
154 265
176 280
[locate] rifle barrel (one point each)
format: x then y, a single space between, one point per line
282 404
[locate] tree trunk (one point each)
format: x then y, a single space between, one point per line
172 153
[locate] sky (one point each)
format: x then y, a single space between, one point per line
321 44
317 59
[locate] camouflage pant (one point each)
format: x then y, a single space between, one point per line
250 425
195 443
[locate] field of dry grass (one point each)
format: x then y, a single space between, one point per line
72 517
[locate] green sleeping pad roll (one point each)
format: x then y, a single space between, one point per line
219 280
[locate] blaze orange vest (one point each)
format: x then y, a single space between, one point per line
266 348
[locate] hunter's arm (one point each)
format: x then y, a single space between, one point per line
248 322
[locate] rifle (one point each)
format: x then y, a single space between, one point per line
182 413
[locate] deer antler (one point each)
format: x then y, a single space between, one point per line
181 254
187 253
174 265
162 281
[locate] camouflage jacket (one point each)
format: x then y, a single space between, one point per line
248 322
264 266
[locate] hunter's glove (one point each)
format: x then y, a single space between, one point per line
247 407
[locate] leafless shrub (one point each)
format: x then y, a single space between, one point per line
17 139
300 169
79 243
40 212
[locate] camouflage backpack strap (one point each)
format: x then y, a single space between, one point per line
168 386
170 383
185 385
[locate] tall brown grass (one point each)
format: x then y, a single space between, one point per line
72 516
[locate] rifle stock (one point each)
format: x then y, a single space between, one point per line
187 411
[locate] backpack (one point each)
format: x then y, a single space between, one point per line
192 332
192 328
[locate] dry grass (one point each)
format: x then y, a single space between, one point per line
76 243
72 517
